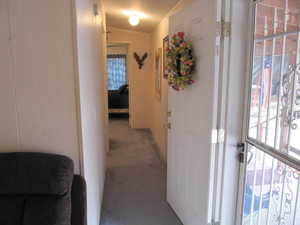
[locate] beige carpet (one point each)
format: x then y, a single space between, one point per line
135 189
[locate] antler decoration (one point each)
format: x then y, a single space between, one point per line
140 61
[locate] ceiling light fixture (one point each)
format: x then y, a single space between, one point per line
134 20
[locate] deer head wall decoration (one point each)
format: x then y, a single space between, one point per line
140 61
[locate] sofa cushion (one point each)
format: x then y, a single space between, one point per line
78 195
48 210
35 173
11 210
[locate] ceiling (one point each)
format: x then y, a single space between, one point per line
151 13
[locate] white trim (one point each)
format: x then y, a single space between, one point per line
249 61
77 88
221 69
273 36
231 108
118 110
293 163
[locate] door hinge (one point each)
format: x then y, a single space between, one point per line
214 223
223 29
241 149
169 126
218 136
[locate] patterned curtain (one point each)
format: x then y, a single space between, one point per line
117 71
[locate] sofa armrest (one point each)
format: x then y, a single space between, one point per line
78 216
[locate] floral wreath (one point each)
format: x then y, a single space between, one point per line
181 63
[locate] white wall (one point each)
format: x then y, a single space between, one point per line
8 119
91 44
160 106
38 102
51 100
117 50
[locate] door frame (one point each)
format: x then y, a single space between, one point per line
232 101
247 96
129 62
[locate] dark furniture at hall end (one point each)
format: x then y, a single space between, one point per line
118 102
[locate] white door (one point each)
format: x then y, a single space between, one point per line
193 116
271 176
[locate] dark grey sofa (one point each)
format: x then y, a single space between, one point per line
119 99
40 189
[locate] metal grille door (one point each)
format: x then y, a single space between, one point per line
271 187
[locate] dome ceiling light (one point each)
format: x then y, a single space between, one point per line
134 20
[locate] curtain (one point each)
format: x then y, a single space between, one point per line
117 71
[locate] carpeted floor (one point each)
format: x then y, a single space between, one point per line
135 189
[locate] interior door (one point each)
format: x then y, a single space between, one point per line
271 176
193 116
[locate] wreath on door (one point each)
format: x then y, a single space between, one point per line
181 63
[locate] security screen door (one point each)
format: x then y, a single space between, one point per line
271 178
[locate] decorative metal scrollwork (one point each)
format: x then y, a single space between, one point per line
283 194
278 191
296 113
290 83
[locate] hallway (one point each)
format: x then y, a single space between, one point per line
135 188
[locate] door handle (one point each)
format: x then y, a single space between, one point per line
241 148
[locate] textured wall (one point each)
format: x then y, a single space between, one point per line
37 86
160 106
40 81
117 50
91 45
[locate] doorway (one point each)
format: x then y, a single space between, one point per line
271 187
118 82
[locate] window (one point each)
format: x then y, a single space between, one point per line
117 71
